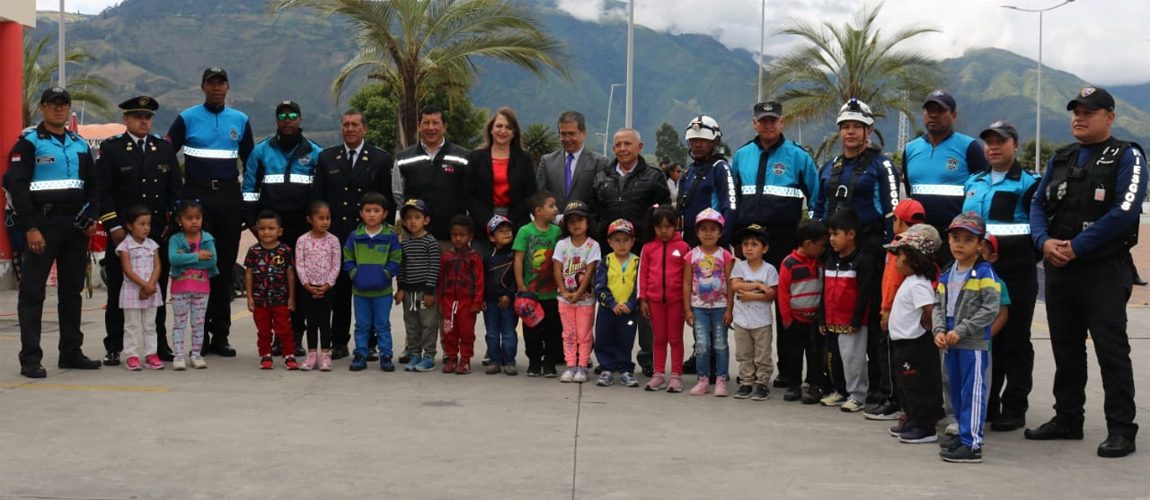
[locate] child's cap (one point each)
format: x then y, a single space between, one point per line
910 211
968 221
993 240
712 215
621 226
496 221
752 229
415 203
530 310
921 237
577 207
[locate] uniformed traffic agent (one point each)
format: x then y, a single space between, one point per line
1084 218
55 195
1002 197
136 168
213 137
433 171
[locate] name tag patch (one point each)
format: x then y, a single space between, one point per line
41 160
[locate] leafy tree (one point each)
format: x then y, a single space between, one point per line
41 74
1025 154
538 139
378 101
668 147
411 43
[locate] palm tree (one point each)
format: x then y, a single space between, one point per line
854 59
39 75
538 139
409 42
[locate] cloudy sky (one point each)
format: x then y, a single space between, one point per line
1102 41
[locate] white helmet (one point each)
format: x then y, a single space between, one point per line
856 111
704 127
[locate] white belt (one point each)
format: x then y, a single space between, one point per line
56 185
214 154
1008 229
937 190
775 191
251 197
294 178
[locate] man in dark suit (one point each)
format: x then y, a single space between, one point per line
136 168
344 174
569 173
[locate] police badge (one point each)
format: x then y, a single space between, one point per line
779 168
952 164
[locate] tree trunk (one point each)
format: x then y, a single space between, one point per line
408 112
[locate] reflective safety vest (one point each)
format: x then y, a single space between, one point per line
1076 197
279 180
211 144
57 165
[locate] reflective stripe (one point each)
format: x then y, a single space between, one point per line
1008 229
214 154
937 190
274 179
300 179
294 178
251 197
775 191
456 159
413 159
56 185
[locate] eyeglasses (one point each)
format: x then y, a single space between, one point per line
287 116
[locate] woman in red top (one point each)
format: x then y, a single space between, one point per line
500 175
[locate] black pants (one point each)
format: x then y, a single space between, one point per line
881 388
544 341
832 365
1091 296
919 385
68 249
804 343
317 314
782 242
646 338
223 209
114 316
1012 353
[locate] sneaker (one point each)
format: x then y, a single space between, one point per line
900 427
628 379
449 364
310 362
568 375
463 367
198 361
386 364
810 395
605 379
676 383
949 443
962 455
702 386
656 383
833 399
179 364
486 359
405 358
917 435
580 375
493 369
549 371
721 386
152 362
412 362
266 363
884 411
426 364
762 393
744 392
325 361
510 370
852 406
534 370
794 393
290 363
1054 429
358 363
133 363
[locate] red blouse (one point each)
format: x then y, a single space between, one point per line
501 195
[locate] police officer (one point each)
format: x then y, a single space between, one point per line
136 168
773 176
278 177
54 191
213 137
343 175
1084 218
1002 196
936 165
433 170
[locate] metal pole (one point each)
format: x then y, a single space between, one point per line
1038 104
762 47
60 47
607 127
630 63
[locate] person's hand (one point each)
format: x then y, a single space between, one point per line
728 317
291 304
853 330
91 231
1068 251
428 300
689 315
952 338
147 290
475 308
483 306
505 302
251 305
884 321
399 296
36 242
940 340
117 236
621 309
645 310
1054 252
787 324
324 288
822 329
204 254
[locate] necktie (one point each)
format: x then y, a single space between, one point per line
351 158
567 171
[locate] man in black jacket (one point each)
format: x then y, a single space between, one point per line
433 171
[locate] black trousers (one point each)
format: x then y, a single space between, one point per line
1091 296
782 242
114 316
919 385
317 314
646 339
804 343
223 209
1012 354
544 341
68 249
878 349
832 365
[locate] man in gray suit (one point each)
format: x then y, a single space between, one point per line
570 172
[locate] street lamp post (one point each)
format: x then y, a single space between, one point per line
630 62
607 127
1038 92
762 46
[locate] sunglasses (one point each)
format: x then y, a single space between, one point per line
287 116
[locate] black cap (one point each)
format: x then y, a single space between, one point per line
942 98
55 94
577 207
288 105
752 229
416 204
1093 98
1002 128
140 104
769 108
214 72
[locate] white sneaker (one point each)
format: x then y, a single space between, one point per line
580 375
198 362
852 406
179 364
568 375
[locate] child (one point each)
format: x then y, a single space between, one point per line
800 295
755 284
139 297
705 289
534 247
988 250
661 264
616 291
576 257
460 297
907 214
192 254
913 353
965 306
318 259
371 257
499 297
418 277
270 281
848 286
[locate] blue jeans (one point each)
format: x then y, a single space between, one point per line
373 312
711 333
502 342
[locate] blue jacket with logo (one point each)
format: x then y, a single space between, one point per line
935 175
277 179
772 183
1005 206
48 170
715 189
212 139
873 193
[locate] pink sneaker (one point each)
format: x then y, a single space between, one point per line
152 362
325 361
309 363
656 382
701 387
721 386
676 383
133 364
